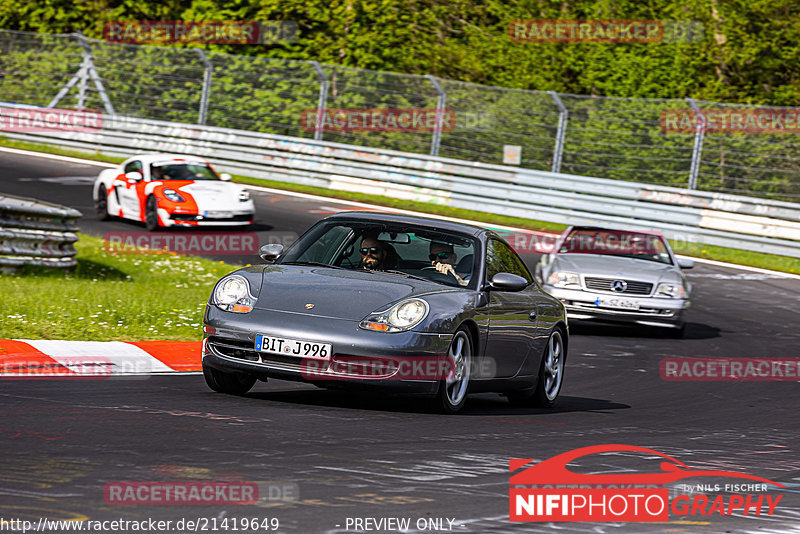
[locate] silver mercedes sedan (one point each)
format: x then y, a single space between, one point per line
623 276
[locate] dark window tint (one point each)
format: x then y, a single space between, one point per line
133 166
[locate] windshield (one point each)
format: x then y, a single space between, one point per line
173 170
391 248
637 245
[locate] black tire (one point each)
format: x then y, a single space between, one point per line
551 375
151 214
101 204
452 394
233 384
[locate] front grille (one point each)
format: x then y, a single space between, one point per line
244 350
604 284
245 217
232 348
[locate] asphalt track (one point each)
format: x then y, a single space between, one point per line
321 457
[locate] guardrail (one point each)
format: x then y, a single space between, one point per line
713 218
36 233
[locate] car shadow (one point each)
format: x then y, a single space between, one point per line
693 331
483 404
488 404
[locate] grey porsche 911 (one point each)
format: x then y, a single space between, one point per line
393 303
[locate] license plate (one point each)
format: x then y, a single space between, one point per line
215 214
292 347
613 302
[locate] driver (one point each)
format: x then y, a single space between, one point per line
373 253
443 258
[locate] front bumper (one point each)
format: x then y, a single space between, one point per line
653 311
194 219
231 348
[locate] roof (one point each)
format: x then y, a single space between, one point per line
433 224
147 159
611 229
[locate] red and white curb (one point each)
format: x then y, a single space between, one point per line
56 358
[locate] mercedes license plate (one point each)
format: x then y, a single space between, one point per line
616 302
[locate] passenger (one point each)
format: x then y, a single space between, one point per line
444 258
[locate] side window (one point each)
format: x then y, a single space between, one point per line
133 166
501 259
327 245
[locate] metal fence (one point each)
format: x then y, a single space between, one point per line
33 232
604 137
748 223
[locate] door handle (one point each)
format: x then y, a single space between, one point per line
532 316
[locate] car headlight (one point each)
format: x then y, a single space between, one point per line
233 294
402 316
674 291
564 279
173 195
244 195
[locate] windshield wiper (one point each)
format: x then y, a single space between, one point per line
633 257
407 275
312 264
401 273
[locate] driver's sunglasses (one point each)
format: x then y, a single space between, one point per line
373 250
440 256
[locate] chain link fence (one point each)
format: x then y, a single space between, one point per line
616 138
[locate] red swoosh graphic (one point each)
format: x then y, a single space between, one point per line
554 470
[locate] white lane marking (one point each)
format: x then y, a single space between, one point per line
64 180
58 157
100 357
737 276
395 210
779 274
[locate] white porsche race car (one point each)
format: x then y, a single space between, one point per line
163 190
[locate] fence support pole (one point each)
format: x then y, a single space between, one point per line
563 115
79 78
92 72
441 101
207 72
322 103
697 149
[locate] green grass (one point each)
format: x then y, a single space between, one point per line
731 255
124 297
742 257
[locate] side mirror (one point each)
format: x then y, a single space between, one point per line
225 177
271 252
685 264
136 176
507 282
